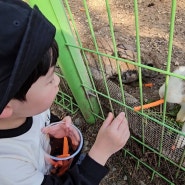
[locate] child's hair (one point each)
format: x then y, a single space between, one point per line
48 60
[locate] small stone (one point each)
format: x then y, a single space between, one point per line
141 183
113 169
78 122
125 178
176 63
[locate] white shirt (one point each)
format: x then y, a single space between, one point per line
22 158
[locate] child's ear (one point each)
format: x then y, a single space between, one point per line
7 112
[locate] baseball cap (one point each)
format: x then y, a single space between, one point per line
25 35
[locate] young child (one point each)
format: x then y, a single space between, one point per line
28 86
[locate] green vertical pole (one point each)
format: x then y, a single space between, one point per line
70 59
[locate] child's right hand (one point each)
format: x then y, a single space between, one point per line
111 137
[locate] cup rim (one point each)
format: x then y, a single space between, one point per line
77 150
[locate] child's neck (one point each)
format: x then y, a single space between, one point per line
10 123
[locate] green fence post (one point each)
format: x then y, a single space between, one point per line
70 59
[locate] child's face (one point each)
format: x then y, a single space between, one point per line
40 96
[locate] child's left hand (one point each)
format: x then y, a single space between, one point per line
62 129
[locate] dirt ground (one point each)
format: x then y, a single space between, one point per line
154 20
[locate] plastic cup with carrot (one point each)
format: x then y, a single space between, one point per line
60 152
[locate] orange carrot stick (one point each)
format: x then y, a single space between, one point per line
65 149
65 146
152 104
148 85
64 164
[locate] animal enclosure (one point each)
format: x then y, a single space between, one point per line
117 60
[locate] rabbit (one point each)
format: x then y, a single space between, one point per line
176 92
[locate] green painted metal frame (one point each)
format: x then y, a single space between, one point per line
70 59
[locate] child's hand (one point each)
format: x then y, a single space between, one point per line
62 129
111 137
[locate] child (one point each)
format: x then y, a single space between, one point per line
28 86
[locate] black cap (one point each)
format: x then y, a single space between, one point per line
25 35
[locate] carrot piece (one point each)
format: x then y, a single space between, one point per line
65 149
152 104
82 9
64 164
148 85
65 146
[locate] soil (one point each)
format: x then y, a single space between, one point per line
154 21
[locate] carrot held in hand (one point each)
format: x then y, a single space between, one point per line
152 104
65 164
65 146
65 149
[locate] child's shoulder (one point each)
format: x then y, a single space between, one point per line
43 118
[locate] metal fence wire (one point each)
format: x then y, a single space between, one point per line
102 71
